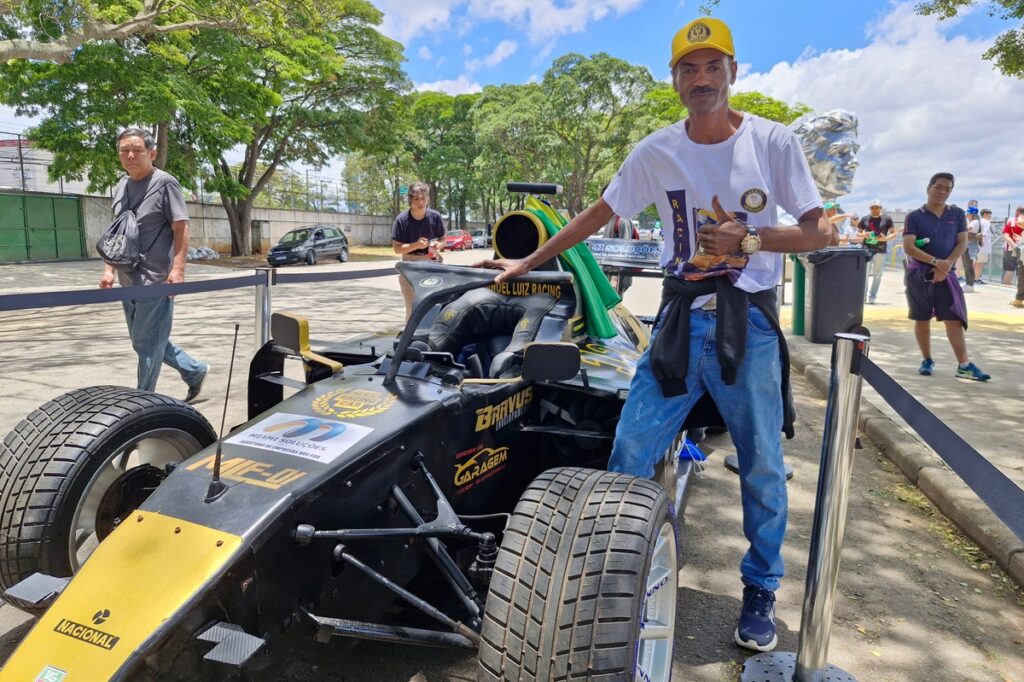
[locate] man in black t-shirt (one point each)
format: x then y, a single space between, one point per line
876 229
417 234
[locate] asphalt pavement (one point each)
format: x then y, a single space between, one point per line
916 599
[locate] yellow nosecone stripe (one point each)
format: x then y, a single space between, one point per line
141 574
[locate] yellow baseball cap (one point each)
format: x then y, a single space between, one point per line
701 33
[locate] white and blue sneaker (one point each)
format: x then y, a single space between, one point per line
756 629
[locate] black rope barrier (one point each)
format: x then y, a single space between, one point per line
58 299
1004 497
302 277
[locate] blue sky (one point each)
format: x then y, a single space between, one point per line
925 99
639 32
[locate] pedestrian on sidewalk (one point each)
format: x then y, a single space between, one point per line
417 234
162 217
931 287
1013 256
719 177
1012 232
967 260
983 228
845 223
876 229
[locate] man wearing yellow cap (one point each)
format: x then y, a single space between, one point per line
718 178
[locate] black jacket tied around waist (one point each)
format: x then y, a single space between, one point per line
671 348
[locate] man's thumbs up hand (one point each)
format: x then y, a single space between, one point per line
722 238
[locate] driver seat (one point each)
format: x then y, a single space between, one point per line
499 325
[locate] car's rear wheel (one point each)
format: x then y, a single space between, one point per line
78 465
311 257
343 254
585 582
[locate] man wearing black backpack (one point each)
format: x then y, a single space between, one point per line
162 217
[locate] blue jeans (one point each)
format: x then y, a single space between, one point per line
752 408
876 266
149 328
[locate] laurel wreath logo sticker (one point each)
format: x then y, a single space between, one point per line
352 403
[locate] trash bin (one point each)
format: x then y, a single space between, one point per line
835 286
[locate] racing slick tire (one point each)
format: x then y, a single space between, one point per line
77 465
584 587
343 255
311 257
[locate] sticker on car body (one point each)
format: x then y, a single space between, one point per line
51 674
312 438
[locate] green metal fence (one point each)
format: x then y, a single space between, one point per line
40 227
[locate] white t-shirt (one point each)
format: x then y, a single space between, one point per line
986 234
757 171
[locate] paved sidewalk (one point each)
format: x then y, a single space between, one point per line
987 415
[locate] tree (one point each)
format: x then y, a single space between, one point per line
443 147
45 30
310 84
515 143
1008 50
584 101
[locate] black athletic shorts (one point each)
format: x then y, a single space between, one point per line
1009 263
928 299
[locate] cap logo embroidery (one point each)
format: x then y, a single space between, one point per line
698 33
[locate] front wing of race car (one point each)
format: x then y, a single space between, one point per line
133 591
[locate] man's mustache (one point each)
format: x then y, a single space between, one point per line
703 91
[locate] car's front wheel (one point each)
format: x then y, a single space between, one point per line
311 257
585 582
74 469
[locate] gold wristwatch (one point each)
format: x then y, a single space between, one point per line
750 244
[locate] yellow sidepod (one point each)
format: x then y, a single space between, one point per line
137 578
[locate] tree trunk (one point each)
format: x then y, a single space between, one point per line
161 144
240 218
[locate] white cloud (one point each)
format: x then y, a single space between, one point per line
425 53
439 63
467 49
503 51
925 102
546 18
404 20
459 86
542 20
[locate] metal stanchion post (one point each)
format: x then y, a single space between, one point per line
263 306
810 663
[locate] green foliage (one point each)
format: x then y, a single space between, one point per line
303 82
588 103
1008 50
767 107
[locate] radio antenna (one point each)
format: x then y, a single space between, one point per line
217 486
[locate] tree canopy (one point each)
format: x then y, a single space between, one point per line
45 30
313 81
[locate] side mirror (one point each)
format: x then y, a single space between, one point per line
550 361
292 332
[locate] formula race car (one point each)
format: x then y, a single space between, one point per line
446 487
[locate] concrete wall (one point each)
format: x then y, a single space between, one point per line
208 225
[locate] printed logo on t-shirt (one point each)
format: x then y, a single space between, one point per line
754 200
694 266
698 33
